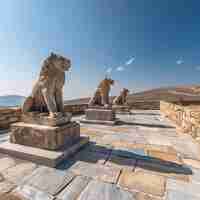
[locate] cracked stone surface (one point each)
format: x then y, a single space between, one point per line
141 159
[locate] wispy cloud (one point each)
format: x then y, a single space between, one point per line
130 61
197 68
179 61
109 70
120 68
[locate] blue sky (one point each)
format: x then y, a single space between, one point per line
141 44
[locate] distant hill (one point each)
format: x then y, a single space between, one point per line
186 93
11 100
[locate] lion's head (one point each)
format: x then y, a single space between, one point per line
125 91
56 61
109 81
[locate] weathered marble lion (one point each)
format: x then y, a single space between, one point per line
101 95
121 99
47 93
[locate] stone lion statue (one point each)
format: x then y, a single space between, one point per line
101 95
47 93
121 99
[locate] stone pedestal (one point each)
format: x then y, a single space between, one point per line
44 140
45 137
99 116
121 109
44 119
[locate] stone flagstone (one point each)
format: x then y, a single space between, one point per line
177 195
173 175
144 182
17 174
195 177
121 163
99 172
104 191
91 157
165 156
73 190
192 163
189 189
6 187
90 178
30 193
7 162
144 196
49 180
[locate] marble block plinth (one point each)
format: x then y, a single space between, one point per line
45 137
100 114
44 119
121 109
42 156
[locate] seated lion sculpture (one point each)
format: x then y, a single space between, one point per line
121 99
47 93
101 95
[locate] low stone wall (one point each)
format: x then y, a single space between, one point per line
185 116
76 108
8 116
145 105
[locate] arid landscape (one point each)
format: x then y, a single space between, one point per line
186 93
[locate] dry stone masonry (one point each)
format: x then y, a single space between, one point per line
8 116
186 117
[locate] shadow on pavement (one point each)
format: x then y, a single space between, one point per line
93 153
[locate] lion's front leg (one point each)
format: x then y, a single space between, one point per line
59 101
105 99
50 102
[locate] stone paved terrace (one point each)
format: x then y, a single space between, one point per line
143 158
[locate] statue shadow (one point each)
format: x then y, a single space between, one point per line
94 154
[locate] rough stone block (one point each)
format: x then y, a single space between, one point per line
100 114
45 137
44 119
42 156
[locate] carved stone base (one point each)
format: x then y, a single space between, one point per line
45 137
44 119
100 114
121 109
42 156
103 122
107 107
